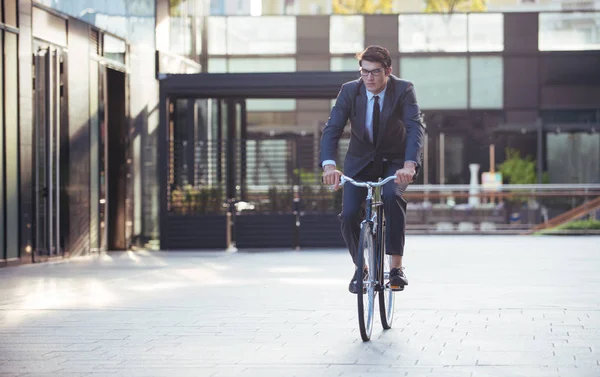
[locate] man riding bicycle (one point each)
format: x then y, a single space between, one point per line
386 139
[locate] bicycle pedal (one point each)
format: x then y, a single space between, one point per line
396 288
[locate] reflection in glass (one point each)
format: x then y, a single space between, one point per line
569 31
185 31
433 33
133 20
344 64
217 65
181 36
281 104
11 140
487 87
570 116
231 7
454 147
253 65
114 48
266 162
440 82
486 32
346 34
10 12
261 35
199 21
95 96
217 35
573 157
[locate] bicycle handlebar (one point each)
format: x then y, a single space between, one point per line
345 179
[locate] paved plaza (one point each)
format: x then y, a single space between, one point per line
475 306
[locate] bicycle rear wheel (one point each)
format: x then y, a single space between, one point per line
386 295
366 282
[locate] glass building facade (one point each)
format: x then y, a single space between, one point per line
79 120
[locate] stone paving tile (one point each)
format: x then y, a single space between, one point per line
288 313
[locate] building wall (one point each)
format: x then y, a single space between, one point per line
468 80
323 7
17 197
134 21
80 154
521 85
9 155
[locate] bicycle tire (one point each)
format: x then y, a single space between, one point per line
386 294
366 292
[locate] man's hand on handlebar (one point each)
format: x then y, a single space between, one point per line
331 176
406 174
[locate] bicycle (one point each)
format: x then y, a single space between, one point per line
374 260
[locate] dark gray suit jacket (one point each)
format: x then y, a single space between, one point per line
401 130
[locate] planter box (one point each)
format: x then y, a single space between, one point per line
321 230
193 232
265 231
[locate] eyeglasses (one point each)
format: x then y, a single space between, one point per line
374 72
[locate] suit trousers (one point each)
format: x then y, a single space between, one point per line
394 208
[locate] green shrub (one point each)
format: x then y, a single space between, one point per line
580 225
517 170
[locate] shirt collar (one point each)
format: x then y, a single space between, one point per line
381 95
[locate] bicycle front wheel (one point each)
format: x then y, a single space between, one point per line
386 295
367 279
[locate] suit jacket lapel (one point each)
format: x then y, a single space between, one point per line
388 102
361 111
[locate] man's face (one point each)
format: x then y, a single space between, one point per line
374 75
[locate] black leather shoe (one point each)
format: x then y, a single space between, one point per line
352 287
397 279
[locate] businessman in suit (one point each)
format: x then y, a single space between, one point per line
386 139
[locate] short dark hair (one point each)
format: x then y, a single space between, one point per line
375 54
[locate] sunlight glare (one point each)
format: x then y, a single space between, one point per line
256 7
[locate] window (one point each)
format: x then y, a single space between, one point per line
440 83
343 64
346 34
184 17
263 104
217 36
231 7
10 12
454 148
266 162
432 33
181 36
569 31
11 138
486 86
261 35
49 27
573 157
570 116
114 48
217 65
486 32
251 65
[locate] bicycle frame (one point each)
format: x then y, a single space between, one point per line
375 220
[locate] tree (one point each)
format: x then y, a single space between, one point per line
362 6
452 6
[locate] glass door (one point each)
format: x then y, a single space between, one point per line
98 161
46 148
